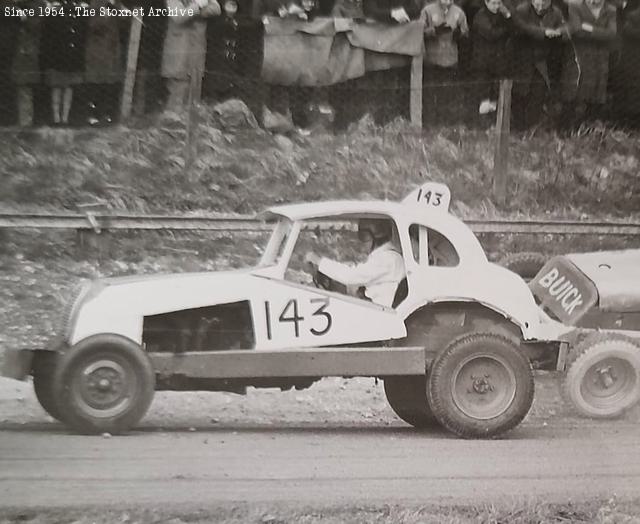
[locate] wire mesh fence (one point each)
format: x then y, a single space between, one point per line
69 62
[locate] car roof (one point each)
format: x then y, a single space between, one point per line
333 209
454 229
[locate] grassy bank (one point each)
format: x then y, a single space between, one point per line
591 173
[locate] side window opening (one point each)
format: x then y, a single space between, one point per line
213 328
430 247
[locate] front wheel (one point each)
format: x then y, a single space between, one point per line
104 383
407 396
480 386
603 378
44 366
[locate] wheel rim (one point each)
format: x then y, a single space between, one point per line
609 383
483 386
104 387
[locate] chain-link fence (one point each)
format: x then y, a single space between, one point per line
71 63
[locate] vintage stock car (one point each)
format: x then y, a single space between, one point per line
457 347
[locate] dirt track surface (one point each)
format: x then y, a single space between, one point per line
334 443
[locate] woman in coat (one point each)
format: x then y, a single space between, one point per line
25 70
490 60
103 63
626 97
62 56
185 48
585 72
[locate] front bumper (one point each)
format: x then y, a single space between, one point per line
16 363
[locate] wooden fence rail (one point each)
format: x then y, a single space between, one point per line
238 223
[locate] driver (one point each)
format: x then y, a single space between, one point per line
380 274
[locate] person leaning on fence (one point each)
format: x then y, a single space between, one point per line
540 30
585 72
25 68
185 48
490 57
388 90
445 23
234 57
626 97
103 63
62 55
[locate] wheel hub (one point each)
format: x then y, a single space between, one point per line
483 386
104 387
608 383
607 376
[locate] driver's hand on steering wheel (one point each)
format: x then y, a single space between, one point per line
312 261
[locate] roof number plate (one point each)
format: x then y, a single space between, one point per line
432 194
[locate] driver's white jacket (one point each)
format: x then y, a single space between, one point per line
380 274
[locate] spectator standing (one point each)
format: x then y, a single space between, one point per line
185 47
585 72
9 28
445 23
147 94
234 57
62 56
391 11
540 27
491 30
25 70
103 64
626 97
389 89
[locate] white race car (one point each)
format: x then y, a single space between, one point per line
457 346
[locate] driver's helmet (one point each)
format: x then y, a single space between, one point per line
379 229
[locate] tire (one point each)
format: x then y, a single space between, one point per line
44 364
104 383
473 406
603 376
526 264
407 396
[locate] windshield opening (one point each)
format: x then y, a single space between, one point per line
277 242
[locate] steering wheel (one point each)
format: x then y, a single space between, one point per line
321 281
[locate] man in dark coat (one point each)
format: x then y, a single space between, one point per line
626 96
490 32
25 69
585 72
540 27
104 70
234 57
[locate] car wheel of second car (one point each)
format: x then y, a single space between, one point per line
407 396
104 383
480 385
603 378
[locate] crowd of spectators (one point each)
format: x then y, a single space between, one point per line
569 59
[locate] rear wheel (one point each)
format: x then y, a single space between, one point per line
480 385
603 378
407 396
104 384
44 365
